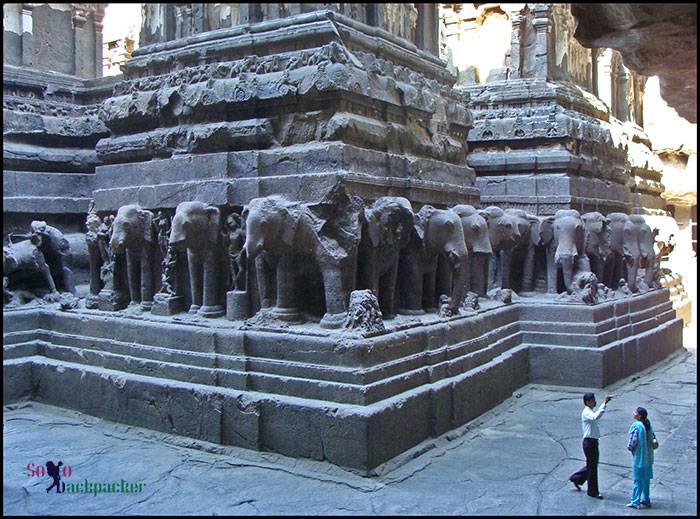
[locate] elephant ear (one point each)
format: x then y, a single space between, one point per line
146 218
372 227
336 220
421 220
547 230
213 216
290 221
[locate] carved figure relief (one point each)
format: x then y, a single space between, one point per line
436 232
281 233
133 234
56 250
476 235
386 230
196 229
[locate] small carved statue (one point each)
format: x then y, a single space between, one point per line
132 232
56 250
364 313
235 238
196 229
25 261
97 259
281 233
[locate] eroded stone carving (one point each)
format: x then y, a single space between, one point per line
624 242
196 228
476 235
436 232
364 313
25 268
56 250
386 230
281 233
133 234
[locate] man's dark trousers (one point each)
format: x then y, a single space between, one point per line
590 471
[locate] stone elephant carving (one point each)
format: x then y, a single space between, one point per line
386 230
539 259
476 236
647 257
436 232
196 229
624 244
24 260
597 241
568 243
509 235
132 233
281 234
56 250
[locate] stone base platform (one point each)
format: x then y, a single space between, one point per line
307 392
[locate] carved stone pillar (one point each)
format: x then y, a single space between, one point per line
541 22
27 28
428 28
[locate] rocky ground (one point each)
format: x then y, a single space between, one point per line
514 460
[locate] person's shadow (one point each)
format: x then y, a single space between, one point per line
55 472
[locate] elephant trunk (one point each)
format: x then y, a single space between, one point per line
567 267
632 266
251 250
177 235
117 244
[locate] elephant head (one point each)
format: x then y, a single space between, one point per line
541 230
625 243
388 222
441 233
270 224
131 228
645 241
597 235
504 231
568 237
475 228
195 226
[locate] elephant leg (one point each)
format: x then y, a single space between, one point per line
336 303
285 309
265 272
598 268
443 276
649 272
529 270
479 273
492 271
387 291
147 281
194 263
552 271
211 285
95 266
567 267
429 301
460 276
133 272
504 270
632 268
411 284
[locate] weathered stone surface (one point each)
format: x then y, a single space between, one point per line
643 34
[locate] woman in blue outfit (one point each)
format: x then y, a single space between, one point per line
642 443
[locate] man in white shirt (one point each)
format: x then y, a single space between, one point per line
591 434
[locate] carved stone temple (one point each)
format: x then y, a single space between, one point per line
320 229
